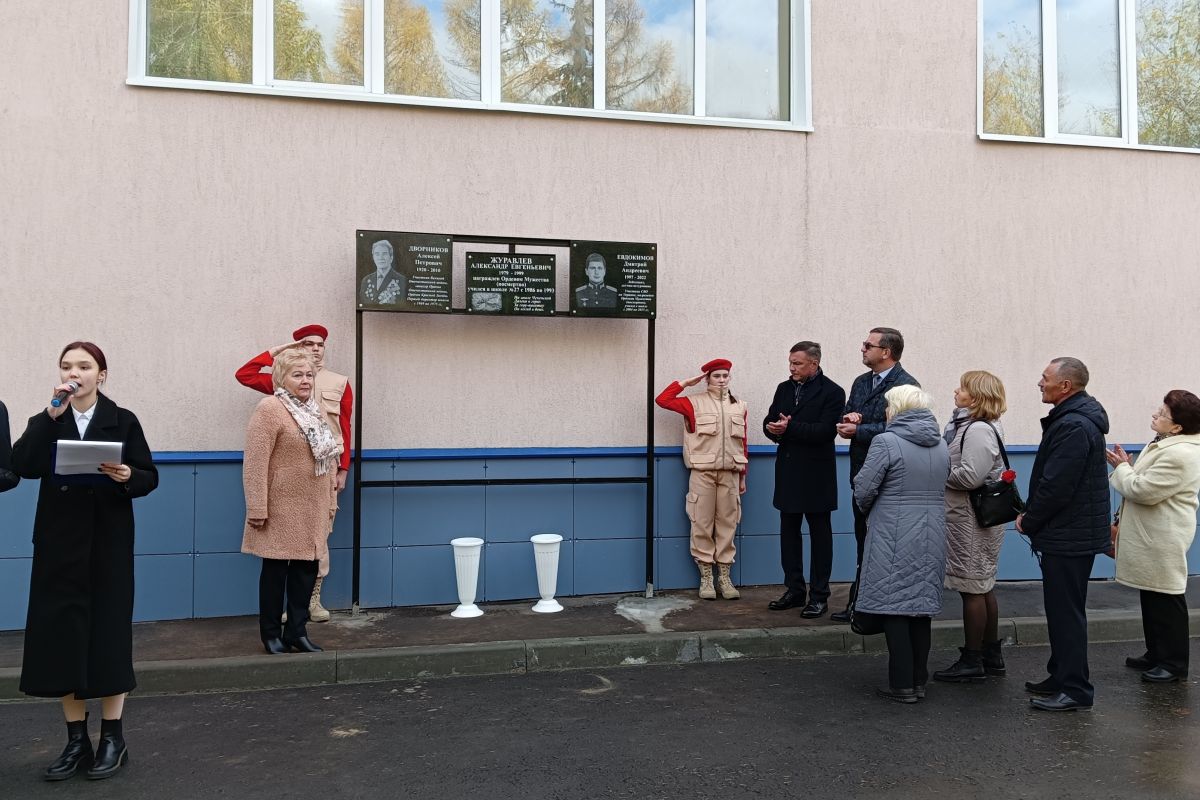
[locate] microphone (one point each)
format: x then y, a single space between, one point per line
61 396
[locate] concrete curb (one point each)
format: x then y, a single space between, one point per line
242 673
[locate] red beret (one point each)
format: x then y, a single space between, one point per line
310 330
716 364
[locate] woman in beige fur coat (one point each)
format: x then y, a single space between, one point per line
1155 527
289 478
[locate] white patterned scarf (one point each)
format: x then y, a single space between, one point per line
312 424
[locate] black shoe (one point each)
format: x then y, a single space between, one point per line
968 668
899 695
815 609
1140 662
919 691
76 755
1064 702
111 753
302 645
993 659
1161 675
1046 688
789 599
840 616
275 646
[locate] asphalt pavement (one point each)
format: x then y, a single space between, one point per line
775 727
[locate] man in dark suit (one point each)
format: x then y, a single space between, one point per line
803 421
865 419
1067 522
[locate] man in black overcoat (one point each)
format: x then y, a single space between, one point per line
865 418
1067 520
803 421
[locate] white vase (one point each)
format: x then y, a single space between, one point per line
545 557
466 570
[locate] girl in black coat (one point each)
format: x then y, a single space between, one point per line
79 631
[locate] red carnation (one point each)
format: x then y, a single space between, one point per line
1008 476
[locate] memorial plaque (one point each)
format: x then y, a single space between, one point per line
614 279
510 283
403 271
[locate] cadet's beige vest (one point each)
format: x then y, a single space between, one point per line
719 439
330 387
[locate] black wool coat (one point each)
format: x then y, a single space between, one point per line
872 404
806 463
79 630
1067 513
8 478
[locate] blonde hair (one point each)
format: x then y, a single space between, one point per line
906 398
987 394
286 361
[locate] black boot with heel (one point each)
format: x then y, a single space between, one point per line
111 753
77 754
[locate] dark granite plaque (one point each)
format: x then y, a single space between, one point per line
510 283
614 279
403 271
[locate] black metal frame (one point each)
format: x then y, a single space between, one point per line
360 484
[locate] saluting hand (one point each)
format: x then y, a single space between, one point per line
692 381
275 351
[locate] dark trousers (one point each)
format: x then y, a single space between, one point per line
791 553
1165 623
1064 593
908 640
860 539
279 578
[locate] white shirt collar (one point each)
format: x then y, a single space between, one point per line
82 418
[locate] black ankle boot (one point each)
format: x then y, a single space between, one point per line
78 753
993 659
968 668
111 753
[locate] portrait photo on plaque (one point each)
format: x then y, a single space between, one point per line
613 279
399 271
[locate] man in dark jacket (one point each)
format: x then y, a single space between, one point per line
865 419
803 421
1067 521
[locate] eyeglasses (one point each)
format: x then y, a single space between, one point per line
868 346
1162 415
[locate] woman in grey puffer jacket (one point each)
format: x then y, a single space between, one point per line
901 487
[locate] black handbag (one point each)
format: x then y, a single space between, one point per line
865 624
996 502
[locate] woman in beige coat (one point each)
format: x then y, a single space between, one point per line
289 476
974 438
1155 528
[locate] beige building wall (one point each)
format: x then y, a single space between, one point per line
186 231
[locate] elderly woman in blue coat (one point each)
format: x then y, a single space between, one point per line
901 487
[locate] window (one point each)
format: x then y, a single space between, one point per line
1115 72
722 62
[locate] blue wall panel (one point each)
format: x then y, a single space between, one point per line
376 576
758 560
424 575
163 587
607 511
613 565
430 515
165 519
673 564
14 592
17 507
226 584
670 489
511 572
220 509
335 591
514 513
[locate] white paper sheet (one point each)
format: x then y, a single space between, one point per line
85 458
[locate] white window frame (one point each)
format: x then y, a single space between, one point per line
263 82
1127 38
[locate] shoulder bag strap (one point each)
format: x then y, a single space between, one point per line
999 439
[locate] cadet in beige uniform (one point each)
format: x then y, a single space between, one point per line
715 450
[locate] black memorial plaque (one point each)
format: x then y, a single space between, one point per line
614 279
510 283
403 271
